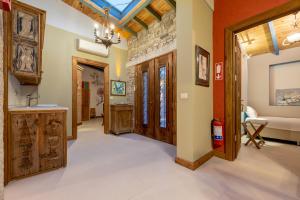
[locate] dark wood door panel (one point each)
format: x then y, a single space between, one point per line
163 98
152 126
238 68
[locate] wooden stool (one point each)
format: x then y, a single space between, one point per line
252 136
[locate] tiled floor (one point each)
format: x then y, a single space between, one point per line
132 167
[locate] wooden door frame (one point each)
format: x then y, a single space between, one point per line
98 65
277 12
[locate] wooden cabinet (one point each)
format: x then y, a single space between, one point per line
121 118
37 142
23 42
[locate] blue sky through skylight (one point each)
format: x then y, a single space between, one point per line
119 4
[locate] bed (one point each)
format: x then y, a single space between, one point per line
282 128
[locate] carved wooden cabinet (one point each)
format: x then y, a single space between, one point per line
121 118
37 142
23 42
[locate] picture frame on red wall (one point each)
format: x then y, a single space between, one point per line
5 5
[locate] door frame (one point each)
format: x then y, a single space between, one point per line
97 65
230 89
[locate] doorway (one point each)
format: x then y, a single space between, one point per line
233 74
82 105
155 115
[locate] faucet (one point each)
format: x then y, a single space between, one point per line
30 98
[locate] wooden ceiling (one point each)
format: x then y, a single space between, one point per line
134 22
269 37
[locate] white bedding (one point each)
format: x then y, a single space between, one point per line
291 124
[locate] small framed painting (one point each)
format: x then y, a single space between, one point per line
202 67
118 88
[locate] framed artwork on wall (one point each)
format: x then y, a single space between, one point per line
118 88
202 58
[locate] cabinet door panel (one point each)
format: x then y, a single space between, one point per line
51 140
24 143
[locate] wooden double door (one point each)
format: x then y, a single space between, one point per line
155 101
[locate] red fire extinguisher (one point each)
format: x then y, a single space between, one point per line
217 127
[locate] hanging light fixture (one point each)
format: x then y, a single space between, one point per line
107 36
294 37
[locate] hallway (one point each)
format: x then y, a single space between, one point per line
132 167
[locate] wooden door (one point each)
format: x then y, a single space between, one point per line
154 100
237 105
163 98
85 101
144 113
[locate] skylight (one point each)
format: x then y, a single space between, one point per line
119 4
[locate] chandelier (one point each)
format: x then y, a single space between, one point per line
107 35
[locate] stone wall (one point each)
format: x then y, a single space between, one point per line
159 39
130 73
1 110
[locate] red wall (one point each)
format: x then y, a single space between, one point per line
227 13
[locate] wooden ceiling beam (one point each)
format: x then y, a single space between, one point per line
274 38
140 22
130 30
172 3
155 14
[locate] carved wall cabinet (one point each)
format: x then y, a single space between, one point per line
37 142
24 37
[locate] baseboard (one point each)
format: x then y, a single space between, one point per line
79 124
194 165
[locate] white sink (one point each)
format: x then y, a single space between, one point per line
45 105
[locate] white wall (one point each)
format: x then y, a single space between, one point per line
279 80
94 98
193 27
63 16
259 78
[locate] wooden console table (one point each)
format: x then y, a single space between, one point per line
121 118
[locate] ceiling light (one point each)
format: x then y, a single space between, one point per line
291 39
294 37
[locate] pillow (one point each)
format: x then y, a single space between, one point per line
251 113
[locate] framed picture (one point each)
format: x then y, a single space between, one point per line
202 67
118 88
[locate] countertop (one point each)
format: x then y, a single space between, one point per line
36 108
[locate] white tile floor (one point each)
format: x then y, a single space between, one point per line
132 167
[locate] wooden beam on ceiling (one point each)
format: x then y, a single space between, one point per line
172 3
130 30
139 9
140 22
153 13
274 38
